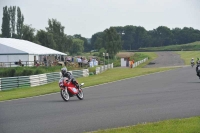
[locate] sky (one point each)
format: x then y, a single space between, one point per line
87 17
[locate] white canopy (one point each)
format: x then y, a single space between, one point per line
17 46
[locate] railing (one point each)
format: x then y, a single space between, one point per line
29 63
139 62
103 68
41 79
15 64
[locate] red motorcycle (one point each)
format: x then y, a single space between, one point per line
68 89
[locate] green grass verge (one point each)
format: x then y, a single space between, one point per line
187 125
108 76
188 55
188 46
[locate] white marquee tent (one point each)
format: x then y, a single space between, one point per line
13 50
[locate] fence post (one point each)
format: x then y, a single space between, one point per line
17 81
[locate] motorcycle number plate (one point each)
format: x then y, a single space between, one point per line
74 89
198 68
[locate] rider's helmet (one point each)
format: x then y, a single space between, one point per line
63 70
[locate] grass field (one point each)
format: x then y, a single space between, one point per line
189 47
187 125
188 55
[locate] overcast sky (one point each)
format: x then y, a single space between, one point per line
87 17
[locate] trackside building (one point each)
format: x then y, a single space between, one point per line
13 50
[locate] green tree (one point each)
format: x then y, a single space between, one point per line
113 43
77 46
20 23
129 37
5 29
57 30
45 39
87 44
96 40
28 33
12 11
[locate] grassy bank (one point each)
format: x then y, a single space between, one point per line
188 55
189 47
187 125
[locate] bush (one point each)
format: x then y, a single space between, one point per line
96 54
92 70
27 72
91 73
38 71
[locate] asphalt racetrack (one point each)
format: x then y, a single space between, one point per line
149 98
166 59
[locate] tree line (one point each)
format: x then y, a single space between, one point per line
52 37
111 40
135 37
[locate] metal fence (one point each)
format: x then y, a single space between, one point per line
103 68
139 62
36 80
41 79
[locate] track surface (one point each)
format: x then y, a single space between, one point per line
160 96
166 59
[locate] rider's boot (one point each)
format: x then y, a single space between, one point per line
77 86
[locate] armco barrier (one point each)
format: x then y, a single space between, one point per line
85 72
0 84
36 80
103 68
139 62
9 82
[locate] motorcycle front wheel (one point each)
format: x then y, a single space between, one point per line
64 94
80 95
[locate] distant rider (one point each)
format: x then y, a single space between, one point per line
192 61
198 68
67 74
197 61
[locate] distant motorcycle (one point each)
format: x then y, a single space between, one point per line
192 64
198 70
68 89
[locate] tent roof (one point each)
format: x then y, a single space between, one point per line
17 46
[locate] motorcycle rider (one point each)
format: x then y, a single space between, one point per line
192 61
197 69
67 74
197 61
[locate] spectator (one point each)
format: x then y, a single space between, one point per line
20 62
131 63
45 61
37 63
85 62
62 58
79 62
68 59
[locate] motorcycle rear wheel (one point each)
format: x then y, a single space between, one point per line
65 95
80 95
